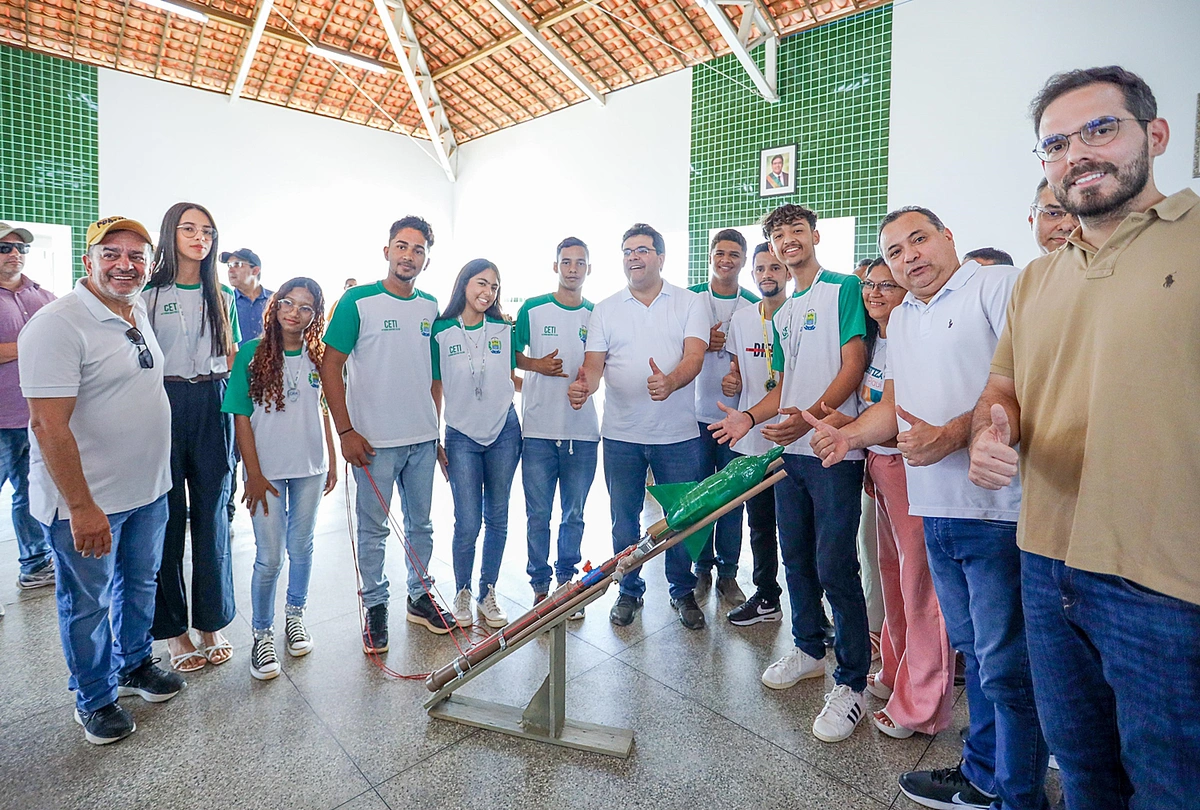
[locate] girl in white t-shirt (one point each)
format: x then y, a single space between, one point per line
473 362
286 441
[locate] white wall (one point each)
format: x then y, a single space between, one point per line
311 196
964 72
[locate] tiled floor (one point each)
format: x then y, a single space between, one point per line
333 731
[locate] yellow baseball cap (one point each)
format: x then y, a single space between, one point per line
98 230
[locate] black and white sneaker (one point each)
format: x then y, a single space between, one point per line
264 663
425 611
944 789
299 641
754 610
151 683
106 725
375 636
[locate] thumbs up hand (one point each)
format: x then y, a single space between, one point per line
731 383
658 384
550 365
716 337
922 444
993 459
577 391
828 441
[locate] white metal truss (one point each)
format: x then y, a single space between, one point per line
742 39
399 28
260 24
538 41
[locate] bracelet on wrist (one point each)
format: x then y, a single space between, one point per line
753 421
347 430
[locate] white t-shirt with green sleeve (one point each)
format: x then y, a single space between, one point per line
388 373
177 312
751 338
716 364
291 441
475 366
543 325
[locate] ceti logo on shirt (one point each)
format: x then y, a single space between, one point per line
170 308
583 333
314 379
551 331
455 349
494 345
810 320
426 327
784 334
391 325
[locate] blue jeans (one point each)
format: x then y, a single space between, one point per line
481 482
1116 671
818 510
289 523
410 468
106 604
14 467
572 466
625 465
976 570
728 540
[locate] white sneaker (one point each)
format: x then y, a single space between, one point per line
843 709
462 609
793 668
492 613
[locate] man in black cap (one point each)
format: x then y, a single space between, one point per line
249 295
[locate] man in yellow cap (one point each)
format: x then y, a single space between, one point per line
100 430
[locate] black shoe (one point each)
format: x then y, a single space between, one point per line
375 637
944 789
690 615
106 725
624 610
425 610
963 733
960 670
703 584
754 610
150 683
729 591
830 635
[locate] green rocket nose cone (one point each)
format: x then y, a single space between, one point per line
774 453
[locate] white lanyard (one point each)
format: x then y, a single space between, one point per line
478 381
292 378
797 304
193 346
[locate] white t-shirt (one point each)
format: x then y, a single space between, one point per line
751 339
543 325
716 364
475 366
812 327
388 371
76 347
871 390
939 358
630 333
182 330
290 442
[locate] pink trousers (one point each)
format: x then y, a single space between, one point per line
918 664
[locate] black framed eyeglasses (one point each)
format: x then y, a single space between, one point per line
9 247
145 358
882 286
640 250
1096 132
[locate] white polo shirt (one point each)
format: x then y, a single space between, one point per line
630 333
871 390
388 373
812 327
544 325
76 347
721 309
751 340
290 441
177 311
480 357
939 357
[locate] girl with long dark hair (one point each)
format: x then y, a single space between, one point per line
473 362
286 441
195 321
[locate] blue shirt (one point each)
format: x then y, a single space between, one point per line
250 313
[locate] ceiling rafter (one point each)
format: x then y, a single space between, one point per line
518 21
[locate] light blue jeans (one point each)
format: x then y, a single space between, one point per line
571 466
14 466
410 468
289 522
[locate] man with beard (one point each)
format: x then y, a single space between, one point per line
1050 222
385 414
1096 377
100 470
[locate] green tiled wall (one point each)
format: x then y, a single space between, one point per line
835 89
49 152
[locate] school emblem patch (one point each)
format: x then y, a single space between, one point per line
583 333
426 327
314 379
810 320
494 345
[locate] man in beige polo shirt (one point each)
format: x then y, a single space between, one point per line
1097 376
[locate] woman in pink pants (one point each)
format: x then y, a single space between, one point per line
917 678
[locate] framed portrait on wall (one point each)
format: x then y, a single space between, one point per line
777 171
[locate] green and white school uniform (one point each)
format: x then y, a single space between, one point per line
543 325
177 312
475 366
716 364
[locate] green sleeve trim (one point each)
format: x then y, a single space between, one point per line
588 305
234 326
777 357
435 351
512 347
237 393
426 296
852 315
749 296
342 331
698 288
441 325
521 330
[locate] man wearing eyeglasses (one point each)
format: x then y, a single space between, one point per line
20 298
249 295
1050 222
100 470
1096 377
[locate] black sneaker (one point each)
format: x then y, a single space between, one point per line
703 584
944 789
426 611
150 683
106 725
690 615
754 610
624 610
375 637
